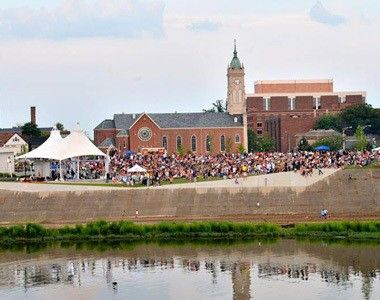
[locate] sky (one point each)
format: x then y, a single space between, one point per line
85 60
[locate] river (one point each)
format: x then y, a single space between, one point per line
258 269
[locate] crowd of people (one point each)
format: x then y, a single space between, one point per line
161 168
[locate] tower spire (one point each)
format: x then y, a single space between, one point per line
235 52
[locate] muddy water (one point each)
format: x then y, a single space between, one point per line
265 269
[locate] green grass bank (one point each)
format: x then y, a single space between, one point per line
129 231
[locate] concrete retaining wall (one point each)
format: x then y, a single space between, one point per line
338 193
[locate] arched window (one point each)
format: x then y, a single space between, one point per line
179 142
194 143
164 143
208 143
222 143
237 138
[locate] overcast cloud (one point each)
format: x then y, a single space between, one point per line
86 60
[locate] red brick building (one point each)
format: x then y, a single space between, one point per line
287 108
206 132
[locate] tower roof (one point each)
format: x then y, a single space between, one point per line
235 62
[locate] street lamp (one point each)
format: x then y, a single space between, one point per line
344 136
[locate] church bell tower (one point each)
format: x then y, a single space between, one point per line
235 86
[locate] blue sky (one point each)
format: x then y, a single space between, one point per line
79 60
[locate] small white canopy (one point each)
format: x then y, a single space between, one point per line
50 149
136 169
376 149
78 144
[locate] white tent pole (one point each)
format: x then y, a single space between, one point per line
78 168
60 171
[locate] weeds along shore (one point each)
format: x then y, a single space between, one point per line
126 230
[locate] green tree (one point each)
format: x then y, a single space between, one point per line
329 121
334 142
217 106
361 114
252 140
361 141
265 144
181 150
228 146
60 126
240 148
303 145
30 129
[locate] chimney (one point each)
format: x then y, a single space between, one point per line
33 114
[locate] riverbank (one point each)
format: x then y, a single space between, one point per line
129 231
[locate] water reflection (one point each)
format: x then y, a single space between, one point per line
238 271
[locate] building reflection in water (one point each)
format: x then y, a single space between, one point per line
74 271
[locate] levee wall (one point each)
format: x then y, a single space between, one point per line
340 193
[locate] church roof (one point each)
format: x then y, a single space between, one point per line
108 142
235 62
177 120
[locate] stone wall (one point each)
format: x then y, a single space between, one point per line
337 193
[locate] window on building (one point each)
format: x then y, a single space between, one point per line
222 143
194 143
264 104
316 103
268 104
237 138
259 124
291 102
179 142
259 132
208 143
164 143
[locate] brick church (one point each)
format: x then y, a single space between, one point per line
282 109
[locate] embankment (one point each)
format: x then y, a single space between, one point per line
347 193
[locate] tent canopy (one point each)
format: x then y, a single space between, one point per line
136 169
322 148
48 150
56 148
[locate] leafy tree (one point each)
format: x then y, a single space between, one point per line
60 126
334 142
361 141
228 145
329 121
252 140
240 149
303 145
30 129
361 114
181 150
217 106
265 144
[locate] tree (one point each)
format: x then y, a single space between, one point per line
252 140
329 121
181 150
265 144
303 145
334 142
361 141
30 129
361 114
60 126
228 146
217 106
240 148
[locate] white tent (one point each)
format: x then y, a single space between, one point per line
50 149
78 144
136 169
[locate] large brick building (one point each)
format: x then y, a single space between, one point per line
281 109
286 108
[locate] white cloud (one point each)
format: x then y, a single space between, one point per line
203 25
319 13
78 18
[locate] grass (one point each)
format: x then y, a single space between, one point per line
126 230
